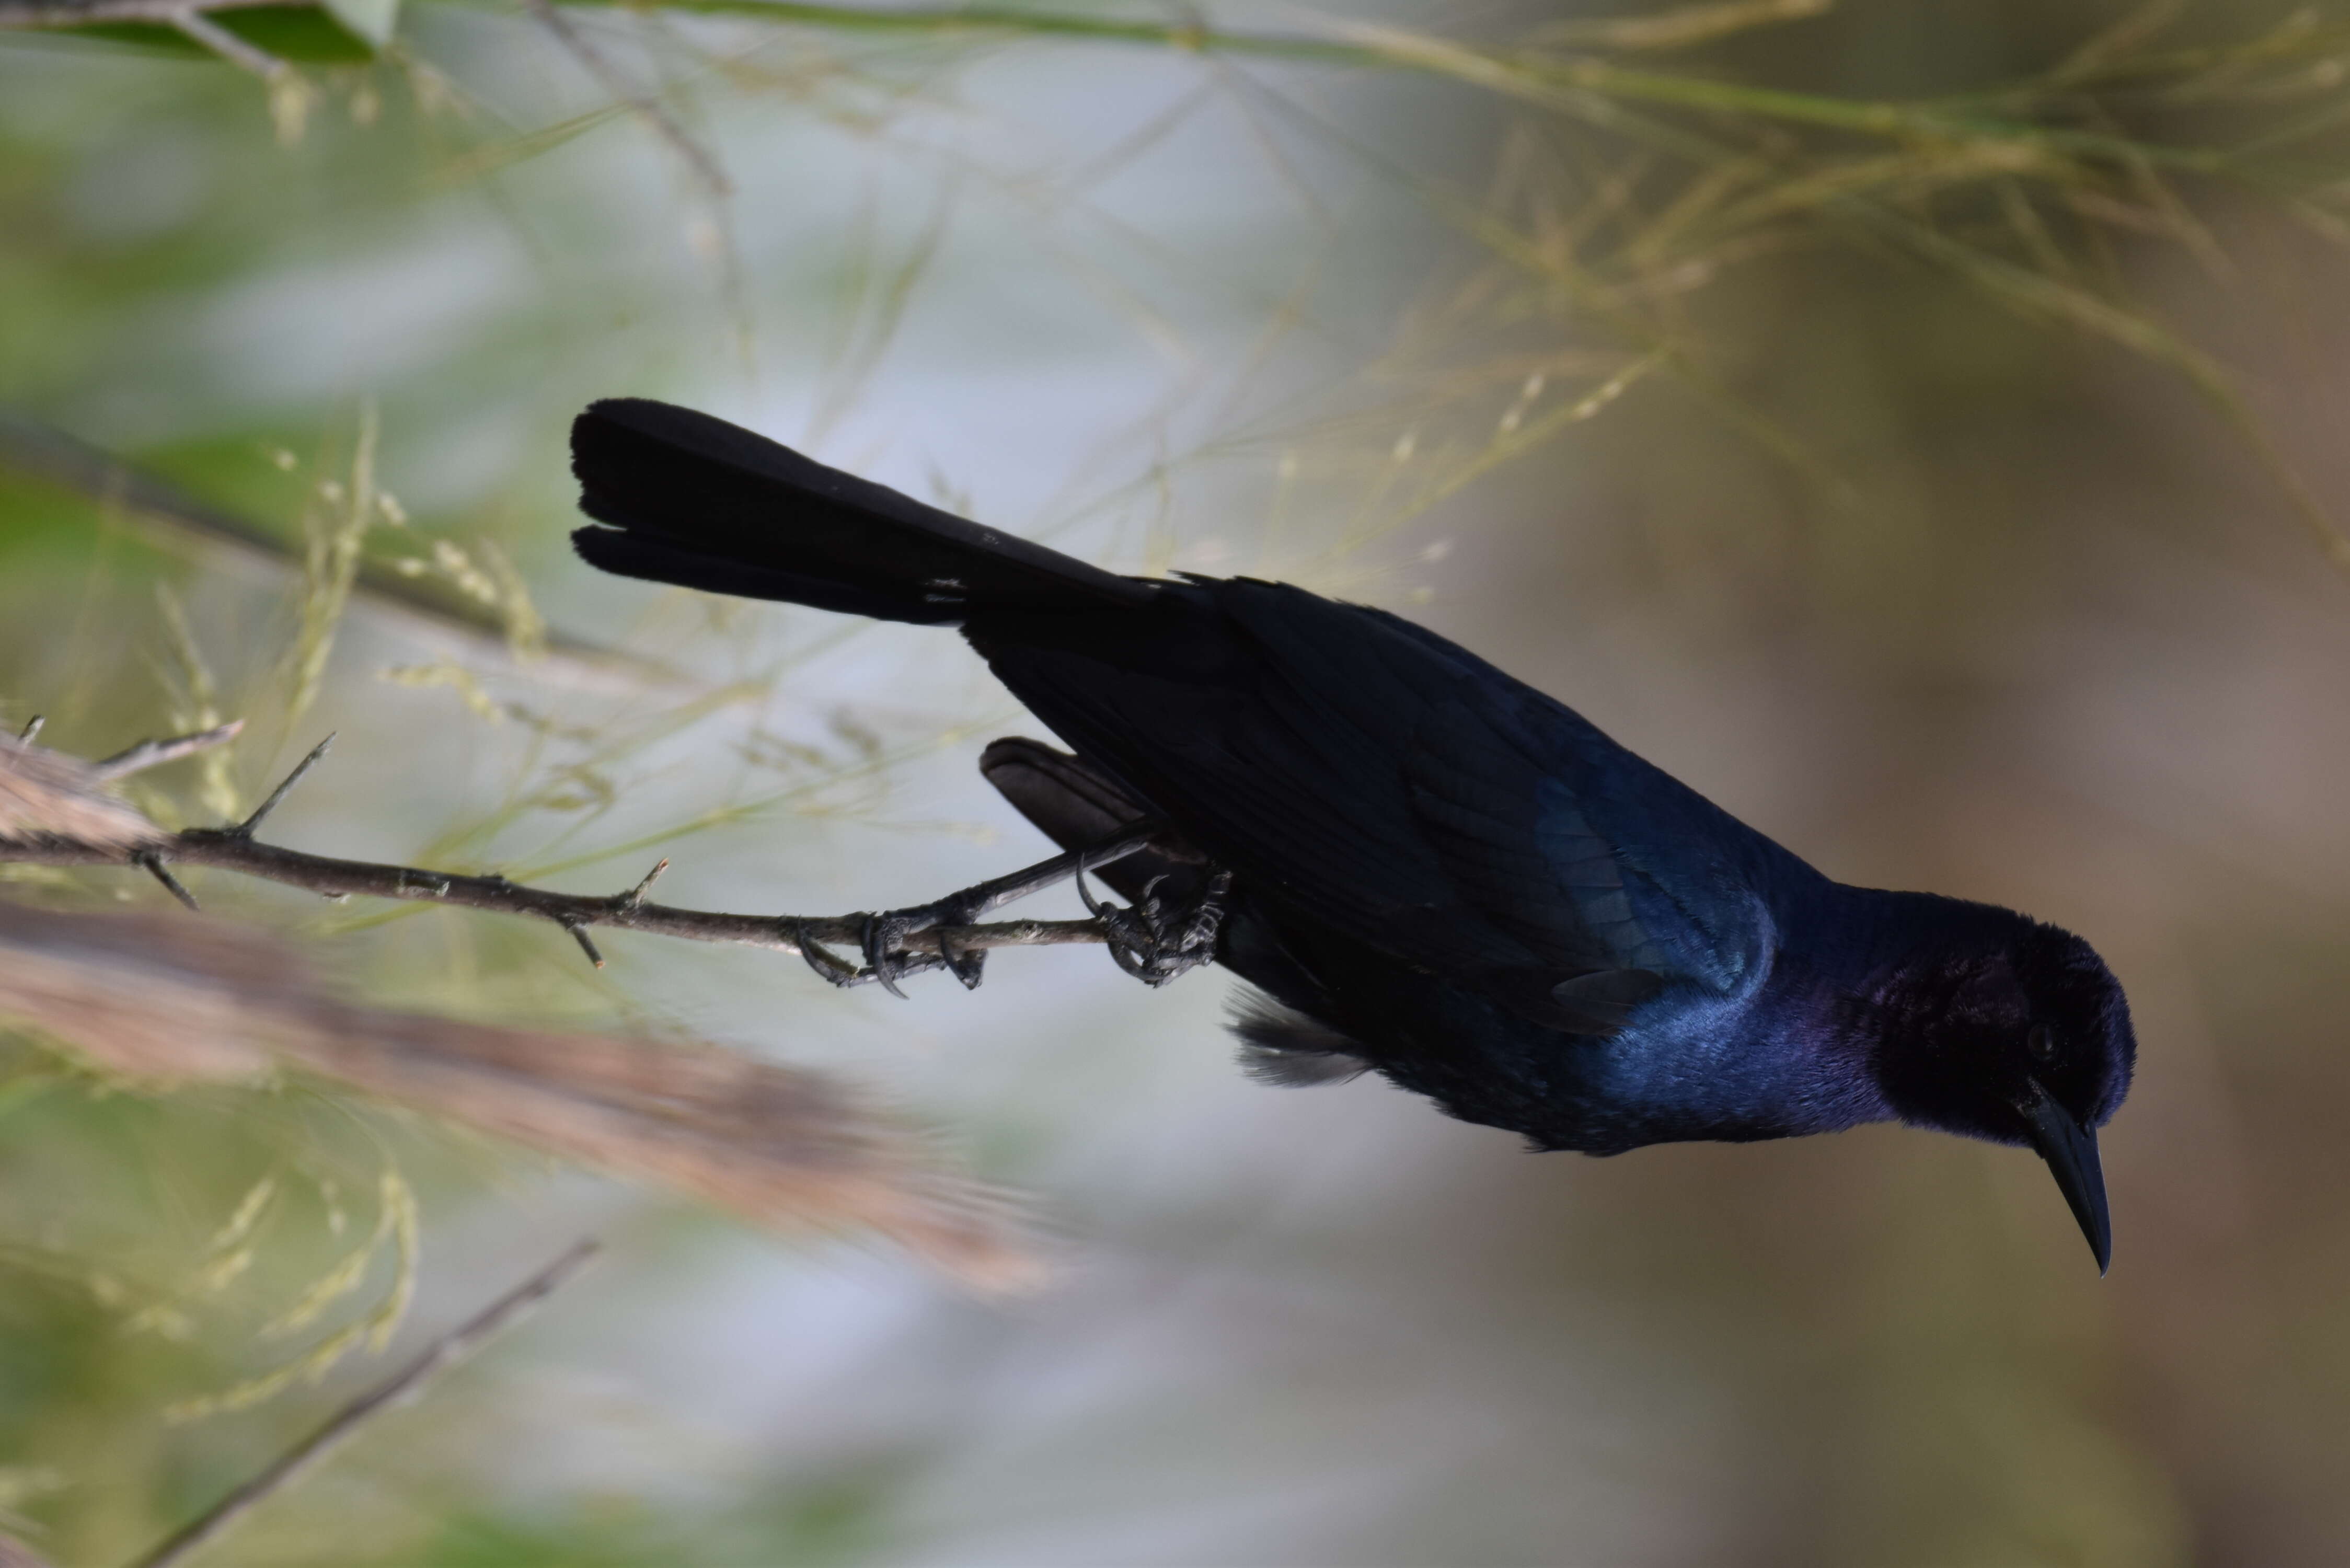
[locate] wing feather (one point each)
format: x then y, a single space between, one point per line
1394 788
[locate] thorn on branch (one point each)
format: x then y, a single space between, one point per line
162 873
33 729
634 899
55 811
155 754
587 943
246 829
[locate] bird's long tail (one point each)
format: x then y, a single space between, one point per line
697 501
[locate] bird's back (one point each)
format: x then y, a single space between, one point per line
1399 804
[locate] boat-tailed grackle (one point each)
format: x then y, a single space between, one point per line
1426 869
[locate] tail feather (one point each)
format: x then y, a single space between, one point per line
697 501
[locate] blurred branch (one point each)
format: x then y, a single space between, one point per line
394 1391
1560 80
1785 154
93 13
2058 128
1573 83
165 999
148 754
192 21
47 794
14 1554
32 446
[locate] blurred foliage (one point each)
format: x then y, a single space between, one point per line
1826 314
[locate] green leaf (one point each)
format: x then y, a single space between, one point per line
306 35
370 19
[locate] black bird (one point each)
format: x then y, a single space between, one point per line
1427 868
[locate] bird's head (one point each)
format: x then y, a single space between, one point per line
2021 1037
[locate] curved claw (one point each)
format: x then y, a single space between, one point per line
882 935
1147 906
1093 906
1131 952
821 959
1157 946
965 966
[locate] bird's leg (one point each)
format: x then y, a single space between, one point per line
1149 943
885 934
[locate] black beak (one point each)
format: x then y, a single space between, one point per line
2071 1151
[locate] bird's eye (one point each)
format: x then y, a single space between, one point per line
2042 1043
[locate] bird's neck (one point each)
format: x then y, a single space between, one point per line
1880 981
1886 955
1802 1053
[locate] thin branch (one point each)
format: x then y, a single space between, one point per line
649 110
193 24
236 849
155 754
91 13
1567 82
162 873
246 828
394 1391
587 943
223 849
635 897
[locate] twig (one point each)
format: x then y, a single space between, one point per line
224 849
285 786
635 897
394 1391
645 108
155 754
587 943
193 23
236 849
88 13
1571 82
162 873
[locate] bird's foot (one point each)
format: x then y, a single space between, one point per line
882 937
1153 943
886 956
897 963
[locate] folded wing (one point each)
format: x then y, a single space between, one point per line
1395 788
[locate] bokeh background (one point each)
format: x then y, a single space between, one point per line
1917 425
